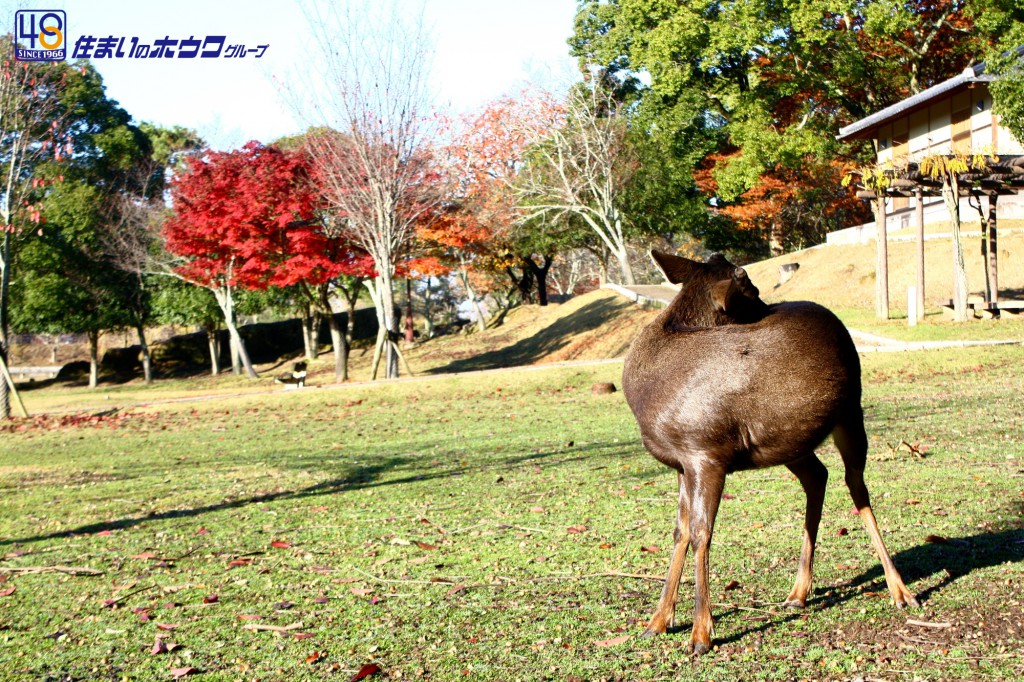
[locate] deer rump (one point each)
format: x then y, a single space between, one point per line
721 382
756 395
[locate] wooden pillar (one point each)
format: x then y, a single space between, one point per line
919 214
992 263
882 260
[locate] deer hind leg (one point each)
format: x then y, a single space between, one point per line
704 487
664 615
852 443
813 476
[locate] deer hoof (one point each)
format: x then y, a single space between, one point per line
699 648
908 600
649 633
794 604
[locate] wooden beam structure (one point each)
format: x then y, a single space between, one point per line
993 177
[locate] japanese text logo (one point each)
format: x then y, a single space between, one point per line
43 32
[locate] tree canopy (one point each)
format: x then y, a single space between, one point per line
755 91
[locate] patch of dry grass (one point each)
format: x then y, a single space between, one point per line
843 276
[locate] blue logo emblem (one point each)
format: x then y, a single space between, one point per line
40 35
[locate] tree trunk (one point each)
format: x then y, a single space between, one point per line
227 306
214 343
881 260
383 294
540 274
340 345
239 346
410 330
94 361
428 311
305 320
524 284
775 245
951 196
343 343
481 319
621 252
236 357
627 270
147 361
5 280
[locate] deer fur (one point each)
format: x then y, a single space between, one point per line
721 382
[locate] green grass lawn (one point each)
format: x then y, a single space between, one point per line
499 526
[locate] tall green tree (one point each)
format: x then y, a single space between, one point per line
1005 57
81 197
31 133
758 89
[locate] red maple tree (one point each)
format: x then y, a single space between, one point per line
247 218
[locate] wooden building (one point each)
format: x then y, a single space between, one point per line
951 118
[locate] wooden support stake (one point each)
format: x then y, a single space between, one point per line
10 383
882 260
919 214
992 247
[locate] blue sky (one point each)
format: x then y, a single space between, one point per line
482 49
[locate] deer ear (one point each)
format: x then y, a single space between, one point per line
677 270
722 293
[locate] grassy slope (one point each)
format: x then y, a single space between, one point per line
843 278
483 526
594 326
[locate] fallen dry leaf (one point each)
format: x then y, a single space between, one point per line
366 671
211 599
650 549
8 592
248 616
576 530
426 546
613 641
166 627
314 657
280 544
843 531
178 673
937 539
362 591
455 590
158 647
731 585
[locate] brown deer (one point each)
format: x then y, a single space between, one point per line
721 382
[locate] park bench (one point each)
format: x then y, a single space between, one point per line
986 309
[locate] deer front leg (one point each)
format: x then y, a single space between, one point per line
664 615
704 487
813 476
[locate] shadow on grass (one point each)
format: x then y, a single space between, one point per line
360 478
952 559
544 342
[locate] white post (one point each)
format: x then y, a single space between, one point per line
912 306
